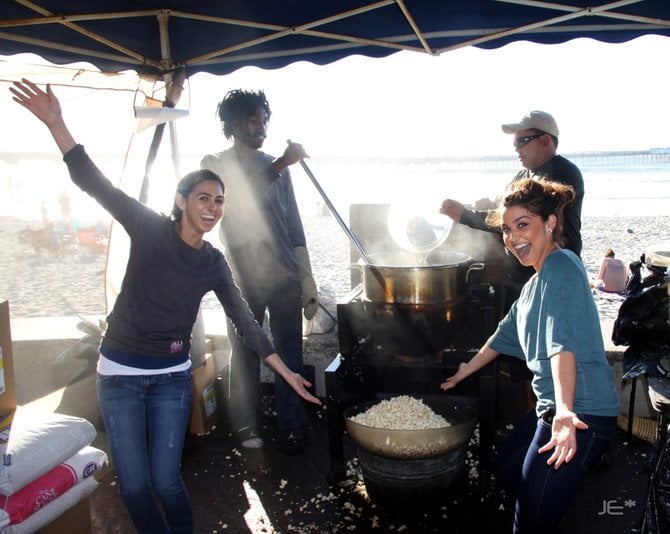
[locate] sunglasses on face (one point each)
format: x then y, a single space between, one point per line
521 142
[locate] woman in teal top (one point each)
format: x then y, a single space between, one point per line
554 326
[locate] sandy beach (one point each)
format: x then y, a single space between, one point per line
42 283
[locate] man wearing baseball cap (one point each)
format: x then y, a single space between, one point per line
536 142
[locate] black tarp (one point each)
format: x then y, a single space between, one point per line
157 36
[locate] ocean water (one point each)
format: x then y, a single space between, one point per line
620 190
627 191
31 188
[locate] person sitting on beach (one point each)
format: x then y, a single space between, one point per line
554 326
144 375
612 276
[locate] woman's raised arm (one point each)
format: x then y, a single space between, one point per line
45 106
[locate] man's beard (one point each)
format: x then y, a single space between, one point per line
252 140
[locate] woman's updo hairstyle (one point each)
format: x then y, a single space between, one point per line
540 197
188 182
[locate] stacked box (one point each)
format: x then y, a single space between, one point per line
47 461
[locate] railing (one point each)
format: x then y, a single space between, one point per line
583 159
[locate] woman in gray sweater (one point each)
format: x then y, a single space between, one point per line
144 369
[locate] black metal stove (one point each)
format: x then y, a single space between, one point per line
390 349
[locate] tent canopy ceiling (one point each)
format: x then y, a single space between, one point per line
159 36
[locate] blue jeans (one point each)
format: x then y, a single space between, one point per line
284 305
543 494
146 419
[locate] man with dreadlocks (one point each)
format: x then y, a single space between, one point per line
266 247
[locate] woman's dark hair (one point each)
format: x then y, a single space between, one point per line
238 105
188 182
540 197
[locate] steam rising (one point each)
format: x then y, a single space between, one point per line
377 228
417 227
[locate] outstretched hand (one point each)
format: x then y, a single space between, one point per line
563 438
454 379
300 385
485 356
46 107
43 104
295 380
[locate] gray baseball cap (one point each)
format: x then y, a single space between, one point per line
538 120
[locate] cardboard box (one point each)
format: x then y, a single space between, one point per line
7 384
203 408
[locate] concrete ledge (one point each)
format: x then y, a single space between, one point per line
46 328
54 362
78 399
50 353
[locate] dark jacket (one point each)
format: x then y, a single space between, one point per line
557 169
165 279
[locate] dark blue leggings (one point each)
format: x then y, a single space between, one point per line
543 494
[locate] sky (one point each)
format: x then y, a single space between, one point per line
603 96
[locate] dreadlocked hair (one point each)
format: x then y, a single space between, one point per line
238 105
